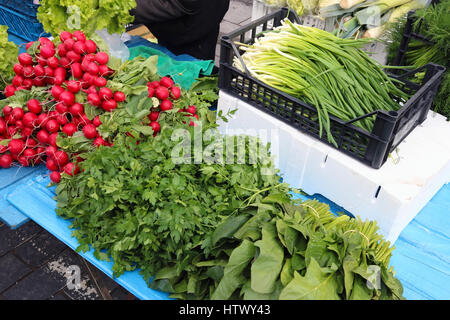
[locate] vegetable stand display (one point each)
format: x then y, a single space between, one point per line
183 228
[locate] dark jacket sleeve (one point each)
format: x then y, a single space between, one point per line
150 11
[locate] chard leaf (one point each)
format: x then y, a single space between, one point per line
267 267
315 285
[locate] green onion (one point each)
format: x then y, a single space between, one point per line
325 71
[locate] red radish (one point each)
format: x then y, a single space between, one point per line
61 108
166 82
162 93
100 82
30 154
62 119
26 132
75 69
84 119
47 51
67 98
60 75
153 116
91 47
119 96
17 81
55 176
109 105
9 91
68 44
42 119
39 70
61 50
79 35
89 131
61 158
42 136
39 82
12 130
53 62
65 35
69 129
73 86
52 126
52 139
7 110
154 84
56 91
96 122
151 92
2 125
18 69
6 161
102 57
166 105
79 47
76 109
105 94
17 113
34 106
99 142
93 68
27 83
94 99
28 71
25 59
65 62
104 71
92 89
28 45
24 162
191 109
88 80
73 56
51 164
49 72
41 61
19 124
155 126
175 93
50 151
29 119
45 41
71 169
16 146
31 143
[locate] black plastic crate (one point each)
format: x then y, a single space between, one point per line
23 25
410 33
372 148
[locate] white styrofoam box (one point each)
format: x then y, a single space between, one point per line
391 195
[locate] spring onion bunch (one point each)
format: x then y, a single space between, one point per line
328 72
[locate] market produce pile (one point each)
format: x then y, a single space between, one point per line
149 182
434 23
323 70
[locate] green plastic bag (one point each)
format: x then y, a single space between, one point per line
182 72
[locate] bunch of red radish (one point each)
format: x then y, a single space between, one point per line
76 74
166 92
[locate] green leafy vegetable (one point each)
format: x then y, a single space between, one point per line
8 56
85 15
